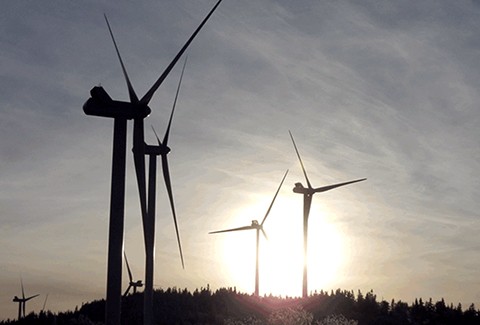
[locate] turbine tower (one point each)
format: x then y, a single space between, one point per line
161 149
132 284
258 227
22 302
101 104
308 193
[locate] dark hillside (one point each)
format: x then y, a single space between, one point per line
226 306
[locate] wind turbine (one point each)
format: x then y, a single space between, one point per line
308 193
161 149
258 227
22 301
101 104
132 284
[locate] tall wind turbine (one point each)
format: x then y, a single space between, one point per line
308 193
258 227
101 104
161 149
132 284
22 301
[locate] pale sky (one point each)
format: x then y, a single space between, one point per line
386 90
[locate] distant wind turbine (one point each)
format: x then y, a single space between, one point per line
22 301
161 149
132 284
308 193
258 227
101 104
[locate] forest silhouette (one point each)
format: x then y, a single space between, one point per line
227 306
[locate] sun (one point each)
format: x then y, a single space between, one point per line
327 252
281 256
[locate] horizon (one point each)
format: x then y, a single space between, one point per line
361 307
355 294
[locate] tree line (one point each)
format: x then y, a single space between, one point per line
226 306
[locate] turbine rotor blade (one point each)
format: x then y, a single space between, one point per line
138 137
330 187
139 162
128 268
131 92
45 302
264 233
271 204
156 135
148 96
233 229
165 138
31 297
300 159
166 177
128 289
23 292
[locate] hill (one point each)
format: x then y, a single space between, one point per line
227 306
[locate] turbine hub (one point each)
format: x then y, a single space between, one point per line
142 112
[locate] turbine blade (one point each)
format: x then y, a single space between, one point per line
128 289
131 92
24 304
128 268
27 299
264 233
165 138
139 162
156 135
300 159
148 96
23 292
233 229
166 177
45 302
271 204
330 187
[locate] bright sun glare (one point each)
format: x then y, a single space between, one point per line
281 257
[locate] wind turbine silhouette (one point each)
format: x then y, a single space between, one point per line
161 149
308 193
22 301
101 104
132 284
258 227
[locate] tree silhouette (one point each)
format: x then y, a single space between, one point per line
227 306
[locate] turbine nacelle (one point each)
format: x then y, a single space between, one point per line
137 283
300 189
255 223
101 104
156 150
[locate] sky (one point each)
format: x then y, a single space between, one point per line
384 89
